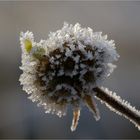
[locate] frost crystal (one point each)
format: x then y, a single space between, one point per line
116 104
65 68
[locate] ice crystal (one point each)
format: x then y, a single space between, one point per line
65 68
122 106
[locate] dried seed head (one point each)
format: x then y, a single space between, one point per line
66 68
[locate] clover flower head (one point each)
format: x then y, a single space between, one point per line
66 68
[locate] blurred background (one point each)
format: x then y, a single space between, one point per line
19 117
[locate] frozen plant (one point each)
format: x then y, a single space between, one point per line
68 69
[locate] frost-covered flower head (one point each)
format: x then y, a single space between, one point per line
65 68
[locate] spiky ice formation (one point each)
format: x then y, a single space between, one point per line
65 68
116 104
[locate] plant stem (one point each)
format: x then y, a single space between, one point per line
116 104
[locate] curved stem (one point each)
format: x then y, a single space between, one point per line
116 104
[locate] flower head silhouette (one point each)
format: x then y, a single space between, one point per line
66 69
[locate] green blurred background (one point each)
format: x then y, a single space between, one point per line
19 117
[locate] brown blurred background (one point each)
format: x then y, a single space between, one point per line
19 117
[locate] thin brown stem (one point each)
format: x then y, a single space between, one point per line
76 115
116 104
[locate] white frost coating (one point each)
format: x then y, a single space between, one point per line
126 104
68 34
28 79
89 55
58 87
